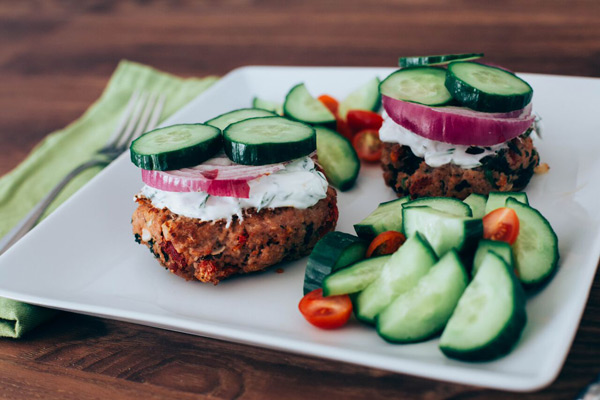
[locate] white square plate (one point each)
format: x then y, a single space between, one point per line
83 257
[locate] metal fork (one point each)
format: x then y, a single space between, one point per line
140 115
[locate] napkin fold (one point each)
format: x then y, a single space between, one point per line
63 150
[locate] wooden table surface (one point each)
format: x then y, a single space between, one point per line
55 59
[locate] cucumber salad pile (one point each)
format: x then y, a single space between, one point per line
462 272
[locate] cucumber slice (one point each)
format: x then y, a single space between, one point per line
334 251
175 147
489 317
442 230
271 106
366 97
386 217
487 89
477 202
355 277
422 85
445 204
268 140
337 157
441 59
536 248
423 311
402 271
501 249
498 199
224 120
301 106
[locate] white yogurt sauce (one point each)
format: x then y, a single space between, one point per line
298 185
433 152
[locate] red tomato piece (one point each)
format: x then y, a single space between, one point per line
367 145
343 129
385 243
501 224
330 102
325 312
359 120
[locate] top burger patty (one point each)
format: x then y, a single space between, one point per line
509 170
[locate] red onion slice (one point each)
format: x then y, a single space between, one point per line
459 125
217 177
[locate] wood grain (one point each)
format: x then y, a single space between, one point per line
55 59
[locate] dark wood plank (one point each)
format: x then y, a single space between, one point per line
56 57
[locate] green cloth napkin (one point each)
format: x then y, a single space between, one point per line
63 150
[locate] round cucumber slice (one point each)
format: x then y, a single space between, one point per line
268 140
299 105
422 85
441 59
224 120
337 157
487 89
175 147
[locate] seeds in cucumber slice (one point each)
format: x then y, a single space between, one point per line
423 85
224 120
334 251
354 278
489 317
386 217
441 59
337 157
501 249
536 248
398 275
498 200
268 140
263 104
423 311
301 106
445 204
366 97
477 202
487 89
175 147
442 230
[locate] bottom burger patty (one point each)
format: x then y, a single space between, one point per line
210 251
508 170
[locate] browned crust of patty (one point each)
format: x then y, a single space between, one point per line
509 170
210 251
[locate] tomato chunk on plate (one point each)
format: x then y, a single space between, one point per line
325 312
501 224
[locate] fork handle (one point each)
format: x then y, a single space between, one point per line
34 215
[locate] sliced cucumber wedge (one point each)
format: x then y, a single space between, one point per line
268 140
386 217
301 106
423 311
224 120
441 59
271 106
355 277
175 147
498 200
366 97
399 274
501 249
445 204
423 85
536 248
487 89
334 251
337 157
477 202
442 230
489 317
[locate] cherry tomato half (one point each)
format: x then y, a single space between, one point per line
359 120
367 145
330 102
501 224
385 243
325 312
